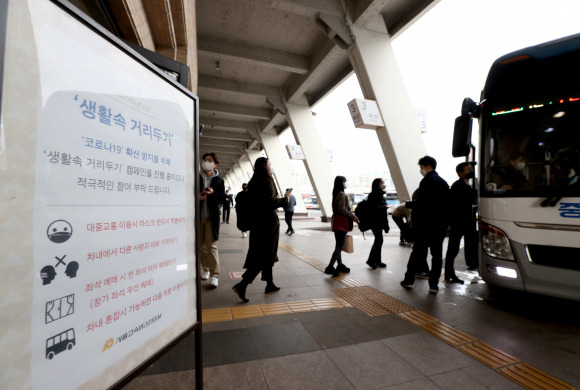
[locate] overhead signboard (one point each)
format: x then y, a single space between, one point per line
98 235
422 117
365 114
295 152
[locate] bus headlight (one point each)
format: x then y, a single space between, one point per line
495 242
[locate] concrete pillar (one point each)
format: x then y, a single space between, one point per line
375 65
316 157
246 167
226 178
253 155
240 176
283 174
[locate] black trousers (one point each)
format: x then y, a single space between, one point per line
288 218
403 226
427 240
469 234
226 214
340 239
375 255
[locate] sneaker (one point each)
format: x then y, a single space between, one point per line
406 285
343 268
223 222
205 275
228 222
454 279
434 290
213 282
331 271
382 265
422 275
409 244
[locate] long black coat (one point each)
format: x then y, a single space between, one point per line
378 205
213 203
430 208
265 229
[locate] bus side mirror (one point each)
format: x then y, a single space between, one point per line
462 136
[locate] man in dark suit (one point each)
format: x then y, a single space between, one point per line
431 221
228 202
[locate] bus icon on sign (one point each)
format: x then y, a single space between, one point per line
60 342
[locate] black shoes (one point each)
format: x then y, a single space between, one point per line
372 265
271 287
472 268
382 265
434 290
422 275
330 270
408 286
454 279
240 290
343 268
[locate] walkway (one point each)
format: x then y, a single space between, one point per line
363 331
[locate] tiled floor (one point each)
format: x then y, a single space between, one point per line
347 349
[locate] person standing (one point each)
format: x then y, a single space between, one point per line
379 221
462 199
342 218
228 201
289 211
430 216
402 217
211 196
243 210
264 230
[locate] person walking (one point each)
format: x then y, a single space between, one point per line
342 218
211 196
264 231
243 210
431 219
379 221
402 217
462 199
228 201
289 211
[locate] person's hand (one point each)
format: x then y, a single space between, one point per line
209 191
202 196
356 219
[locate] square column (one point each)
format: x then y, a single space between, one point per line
373 60
240 176
316 157
246 167
283 174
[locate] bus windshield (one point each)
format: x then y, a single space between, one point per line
531 148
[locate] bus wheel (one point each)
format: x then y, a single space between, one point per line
50 355
69 346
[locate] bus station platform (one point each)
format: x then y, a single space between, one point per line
364 331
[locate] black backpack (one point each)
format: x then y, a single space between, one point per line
244 210
363 213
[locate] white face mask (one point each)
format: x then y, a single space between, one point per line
383 186
423 172
345 186
521 166
272 171
207 166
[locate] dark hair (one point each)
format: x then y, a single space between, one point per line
338 186
376 186
212 155
461 167
244 184
428 161
260 172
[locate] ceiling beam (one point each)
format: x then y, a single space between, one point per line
208 108
307 8
226 124
221 50
226 135
222 143
221 151
233 86
161 23
130 16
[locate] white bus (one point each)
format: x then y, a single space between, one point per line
529 162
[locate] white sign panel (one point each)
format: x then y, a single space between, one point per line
112 254
365 114
295 152
422 117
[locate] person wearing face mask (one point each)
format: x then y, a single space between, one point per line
264 230
431 221
379 221
512 175
462 198
211 196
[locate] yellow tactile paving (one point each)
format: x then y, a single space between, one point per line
532 378
375 303
488 355
217 315
242 312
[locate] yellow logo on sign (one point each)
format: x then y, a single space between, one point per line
108 345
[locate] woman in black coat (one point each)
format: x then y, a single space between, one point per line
379 221
265 229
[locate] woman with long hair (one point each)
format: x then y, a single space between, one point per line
265 229
342 218
379 221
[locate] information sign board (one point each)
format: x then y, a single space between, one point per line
365 114
295 152
98 236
